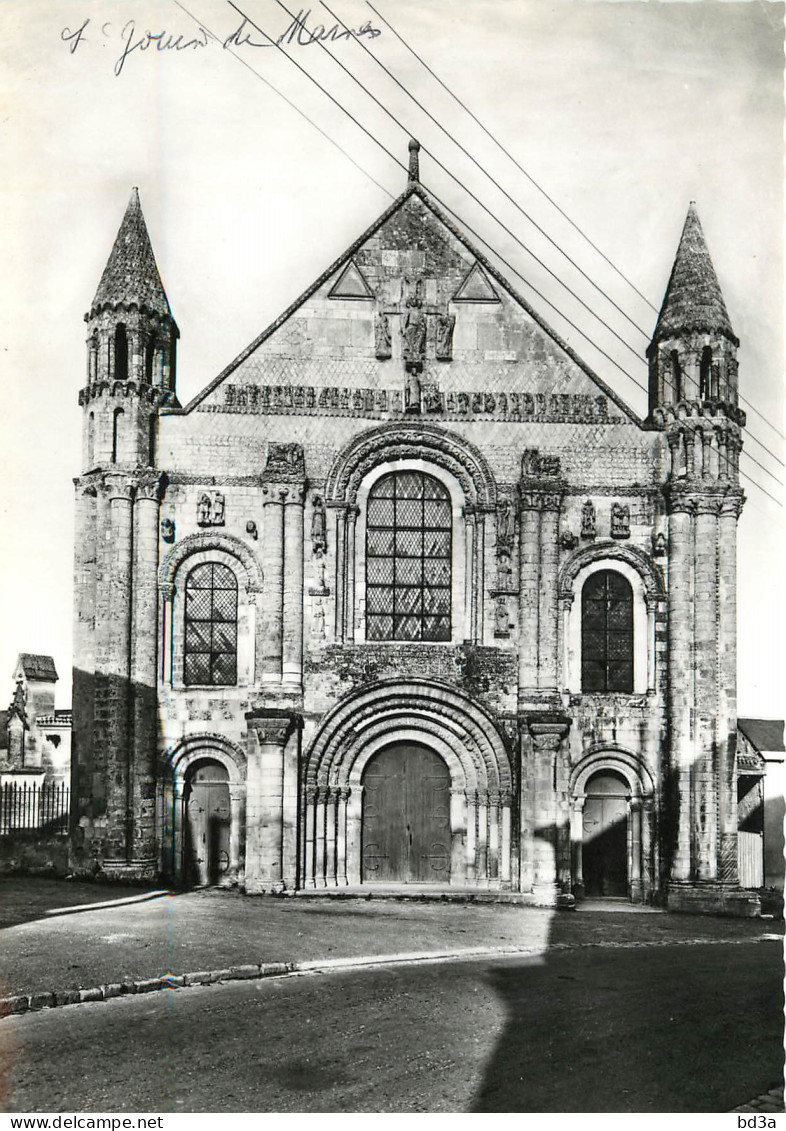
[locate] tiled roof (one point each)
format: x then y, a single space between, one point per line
763 734
693 299
131 275
37 667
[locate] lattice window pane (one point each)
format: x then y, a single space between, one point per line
379 571
210 641
409 485
409 571
413 582
379 628
607 633
379 599
380 542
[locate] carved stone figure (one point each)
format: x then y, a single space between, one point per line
318 623
251 528
167 530
413 327
568 540
204 510
588 525
620 521
218 509
501 624
412 393
285 462
431 398
318 527
505 524
659 544
445 326
382 342
530 464
504 572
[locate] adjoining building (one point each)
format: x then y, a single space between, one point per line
408 595
761 790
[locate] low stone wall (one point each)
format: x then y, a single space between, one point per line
31 852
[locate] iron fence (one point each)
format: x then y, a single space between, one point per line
39 808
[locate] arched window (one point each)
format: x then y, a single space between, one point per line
121 353
408 558
607 633
676 371
152 436
705 373
92 359
150 348
210 650
117 425
91 439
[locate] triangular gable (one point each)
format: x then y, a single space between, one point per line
483 264
351 284
476 287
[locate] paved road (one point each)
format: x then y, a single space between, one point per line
680 1028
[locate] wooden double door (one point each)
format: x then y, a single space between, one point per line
605 842
406 817
207 824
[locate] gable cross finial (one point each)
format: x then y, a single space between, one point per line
414 161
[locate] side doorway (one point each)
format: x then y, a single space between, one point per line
605 836
207 813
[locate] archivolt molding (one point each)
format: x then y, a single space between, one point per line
210 540
392 711
616 758
648 570
183 753
422 441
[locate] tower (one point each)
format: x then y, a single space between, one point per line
131 350
694 401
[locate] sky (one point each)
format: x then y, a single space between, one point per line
621 112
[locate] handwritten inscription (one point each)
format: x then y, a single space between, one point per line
136 41
306 399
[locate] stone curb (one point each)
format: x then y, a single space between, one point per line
27 1003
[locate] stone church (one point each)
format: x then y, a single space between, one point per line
408 595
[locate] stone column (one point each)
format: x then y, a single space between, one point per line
547 735
310 831
529 577
267 732
319 837
349 575
495 803
472 824
144 674
115 711
505 860
727 684
634 816
482 849
237 800
292 649
272 610
547 593
705 794
652 607
577 845
84 651
469 571
680 680
331 815
341 836
341 567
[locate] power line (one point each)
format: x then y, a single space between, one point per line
288 101
486 173
543 192
511 157
436 198
453 177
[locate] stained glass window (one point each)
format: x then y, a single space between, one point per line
607 633
211 626
408 558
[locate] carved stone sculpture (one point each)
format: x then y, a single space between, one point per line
659 545
382 342
285 463
444 346
620 521
588 525
318 527
210 509
501 624
167 530
505 526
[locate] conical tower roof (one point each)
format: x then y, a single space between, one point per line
693 299
131 276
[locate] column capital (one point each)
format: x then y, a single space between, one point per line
708 504
149 485
542 498
678 500
272 727
548 731
117 485
732 504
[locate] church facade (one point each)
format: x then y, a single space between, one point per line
408 597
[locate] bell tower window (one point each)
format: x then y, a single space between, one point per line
121 353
